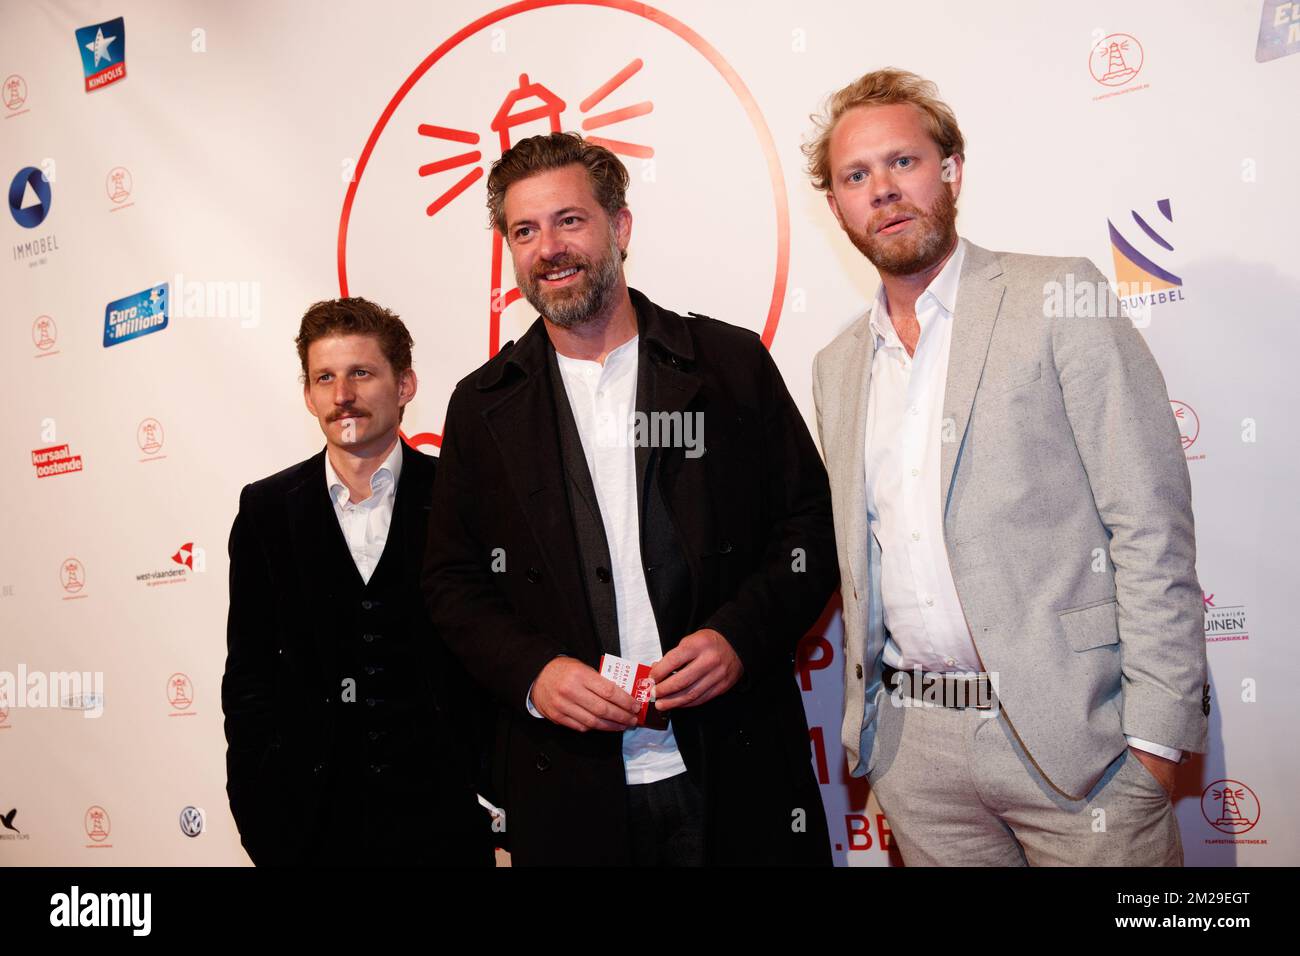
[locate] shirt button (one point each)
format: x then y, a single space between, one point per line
916 536
950 661
914 410
915 472
929 602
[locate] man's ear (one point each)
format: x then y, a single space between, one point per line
623 228
407 384
835 208
953 167
306 397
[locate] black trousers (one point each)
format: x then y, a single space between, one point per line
666 822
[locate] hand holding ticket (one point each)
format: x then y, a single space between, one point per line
635 680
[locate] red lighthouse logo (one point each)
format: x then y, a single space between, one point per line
707 190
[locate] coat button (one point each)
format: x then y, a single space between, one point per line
543 762
318 768
725 548
603 575
370 671
533 574
373 735
368 638
858 671
367 605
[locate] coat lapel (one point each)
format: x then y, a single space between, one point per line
524 429
852 471
325 566
979 297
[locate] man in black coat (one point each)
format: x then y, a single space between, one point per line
692 533
350 729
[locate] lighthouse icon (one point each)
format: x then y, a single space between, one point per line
529 103
1116 59
1230 806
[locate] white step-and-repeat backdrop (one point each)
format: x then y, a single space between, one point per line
185 178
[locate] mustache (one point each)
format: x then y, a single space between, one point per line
353 413
567 261
910 212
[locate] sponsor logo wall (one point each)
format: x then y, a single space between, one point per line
168 224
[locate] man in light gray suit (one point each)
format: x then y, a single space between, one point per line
1024 646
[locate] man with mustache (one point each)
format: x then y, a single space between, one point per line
564 531
352 732
1024 655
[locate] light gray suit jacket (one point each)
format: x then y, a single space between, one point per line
1066 514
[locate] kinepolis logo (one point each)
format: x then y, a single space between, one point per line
103 53
654 91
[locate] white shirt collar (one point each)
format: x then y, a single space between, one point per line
390 468
943 287
612 360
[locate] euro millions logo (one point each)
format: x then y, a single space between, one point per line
103 53
705 175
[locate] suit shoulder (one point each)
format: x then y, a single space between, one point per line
713 337
281 482
488 370
1019 266
843 344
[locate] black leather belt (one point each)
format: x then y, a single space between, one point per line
953 691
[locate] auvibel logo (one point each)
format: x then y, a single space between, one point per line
1140 279
103 53
136 315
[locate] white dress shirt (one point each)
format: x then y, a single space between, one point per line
922 612
365 523
603 398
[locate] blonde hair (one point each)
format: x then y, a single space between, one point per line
882 88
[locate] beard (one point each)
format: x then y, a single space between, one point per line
932 235
582 301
